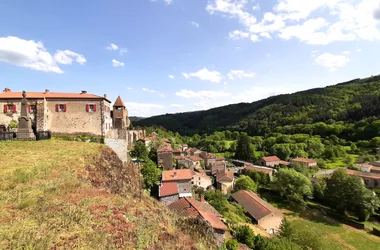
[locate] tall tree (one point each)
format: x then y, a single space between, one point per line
244 150
151 174
140 151
245 183
292 185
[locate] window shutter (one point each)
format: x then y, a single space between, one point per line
5 108
28 108
87 108
56 108
64 107
94 108
14 108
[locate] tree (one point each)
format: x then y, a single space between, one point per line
232 244
345 192
151 174
243 149
319 190
245 183
245 235
286 229
140 151
217 200
293 186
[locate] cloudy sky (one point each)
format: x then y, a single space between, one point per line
166 56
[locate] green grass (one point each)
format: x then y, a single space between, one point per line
48 201
338 162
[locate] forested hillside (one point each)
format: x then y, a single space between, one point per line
348 110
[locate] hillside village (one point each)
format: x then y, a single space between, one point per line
231 195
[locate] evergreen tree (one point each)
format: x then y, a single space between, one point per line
244 150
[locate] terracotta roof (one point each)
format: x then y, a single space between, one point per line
363 174
177 150
375 163
119 102
255 206
49 95
285 163
201 175
195 158
168 188
193 150
179 157
193 208
177 175
304 160
165 148
375 168
225 175
271 158
259 169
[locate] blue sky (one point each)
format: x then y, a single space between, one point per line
172 56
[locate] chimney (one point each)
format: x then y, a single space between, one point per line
47 91
175 174
6 90
84 92
203 198
105 96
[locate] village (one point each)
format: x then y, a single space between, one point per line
186 173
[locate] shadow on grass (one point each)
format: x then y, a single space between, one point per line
304 212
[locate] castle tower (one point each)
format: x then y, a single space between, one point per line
120 115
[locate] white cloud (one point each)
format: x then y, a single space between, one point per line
149 90
33 55
138 109
332 61
112 46
205 75
123 51
162 96
306 20
129 88
171 76
203 94
195 24
200 105
359 50
346 52
116 63
238 34
233 74
168 1
67 57
176 105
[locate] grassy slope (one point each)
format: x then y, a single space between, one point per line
336 236
64 195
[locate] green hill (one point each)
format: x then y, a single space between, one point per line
348 110
74 195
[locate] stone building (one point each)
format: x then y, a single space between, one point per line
165 157
61 113
174 185
264 214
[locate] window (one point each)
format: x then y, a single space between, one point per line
32 109
192 182
9 108
60 107
90 108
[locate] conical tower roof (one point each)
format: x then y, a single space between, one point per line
119 102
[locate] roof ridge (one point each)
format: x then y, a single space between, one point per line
258 201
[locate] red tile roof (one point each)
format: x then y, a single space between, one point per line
271 158
201 175
195 158
177 175
192 208
119 102
363 174
165 148
179 157
177 151
255 206
304 160
225 175
285 163
49 95
168 188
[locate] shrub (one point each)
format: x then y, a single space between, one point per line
232 244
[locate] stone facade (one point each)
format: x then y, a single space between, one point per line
219 236
60 113
201 180
165 160
225 186
167 200
119 146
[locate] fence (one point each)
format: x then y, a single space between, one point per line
25 136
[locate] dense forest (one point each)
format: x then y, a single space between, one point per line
349 110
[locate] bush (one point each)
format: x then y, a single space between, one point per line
13 124
245 235
232 244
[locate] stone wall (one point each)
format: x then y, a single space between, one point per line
219 236
165 160
6 118
119 146
169 199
